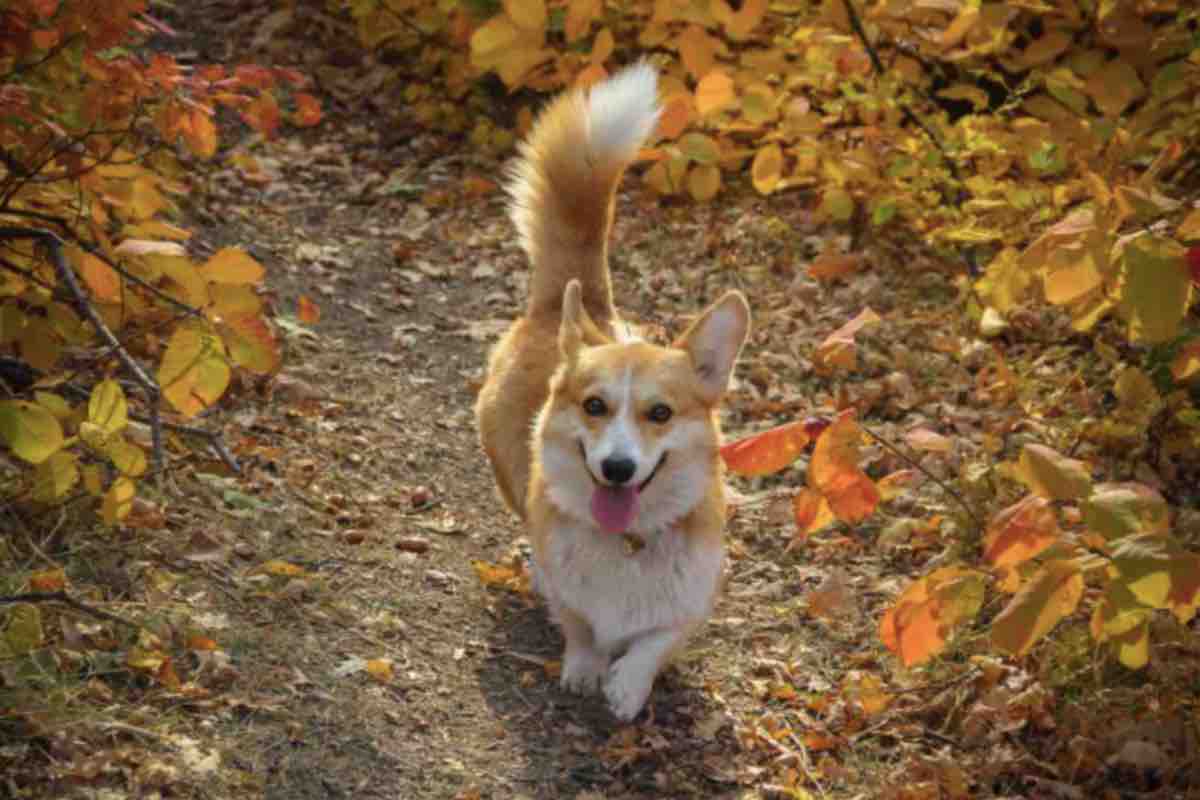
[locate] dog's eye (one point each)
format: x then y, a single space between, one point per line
659 413
594 407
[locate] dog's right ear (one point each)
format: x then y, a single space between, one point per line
570 330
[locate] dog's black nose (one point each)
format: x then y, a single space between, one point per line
618 470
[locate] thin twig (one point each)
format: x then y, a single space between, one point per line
55 245
214 439
917 466
66 600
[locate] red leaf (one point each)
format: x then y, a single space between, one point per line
1193 262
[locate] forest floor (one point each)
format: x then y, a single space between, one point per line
358 651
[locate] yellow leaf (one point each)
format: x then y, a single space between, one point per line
960 27
251 343
126 456
714 92
1117 510
1189 229
107 407
118 501
233 265
1071 275
767 168
1053 475
527 14
283 569
32 432
704 181
194 373
1040 605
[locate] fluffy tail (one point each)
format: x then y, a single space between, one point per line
565 181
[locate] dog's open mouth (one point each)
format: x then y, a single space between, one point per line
616 507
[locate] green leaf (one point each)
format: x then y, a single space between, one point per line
24 632
55 477
700 148
30 430
838 205
1116 510
1040 605
1157 289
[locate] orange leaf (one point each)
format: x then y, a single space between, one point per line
580 15
767 452
714 92
1021 531
307 311
834 471
262 114
745 19
200 133
812 513
102 279
199 642
251 343
828 266
697 50
381 669
48 580
308 110
1034 611
675 116
917 626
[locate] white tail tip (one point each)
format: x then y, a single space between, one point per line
623 110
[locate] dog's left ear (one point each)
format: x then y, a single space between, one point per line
714 341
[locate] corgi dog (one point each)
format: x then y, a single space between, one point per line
606 446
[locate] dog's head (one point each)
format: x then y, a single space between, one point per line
629 436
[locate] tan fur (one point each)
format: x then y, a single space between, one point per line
623 616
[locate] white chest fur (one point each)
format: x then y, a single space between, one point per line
670 583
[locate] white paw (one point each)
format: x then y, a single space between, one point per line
628 686
583 670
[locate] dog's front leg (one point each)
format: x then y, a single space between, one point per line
631 677
584 667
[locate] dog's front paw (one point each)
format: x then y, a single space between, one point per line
583 670
628 686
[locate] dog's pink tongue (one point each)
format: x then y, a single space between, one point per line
615 507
